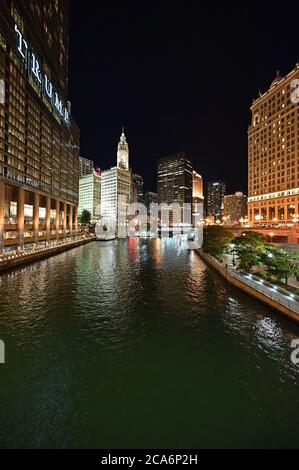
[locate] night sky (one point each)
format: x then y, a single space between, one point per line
178 79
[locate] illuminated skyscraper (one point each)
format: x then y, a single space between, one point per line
175 179
39 141
197 197
273 149
90 195
116 186
123 152
215 194
235 208
137 189
86 167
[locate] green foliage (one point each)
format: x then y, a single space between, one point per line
85 217
216 240
282 264
250 249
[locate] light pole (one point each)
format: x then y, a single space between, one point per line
233 253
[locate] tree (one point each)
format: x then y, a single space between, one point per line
216 240
85 217
250 249
282 264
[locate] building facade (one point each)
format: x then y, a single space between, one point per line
123 152
39 141
175 179
86 167
235 209
150 198
90 196
137 189
215 195
115 187
197 197
273 154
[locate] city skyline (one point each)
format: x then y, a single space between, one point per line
173 93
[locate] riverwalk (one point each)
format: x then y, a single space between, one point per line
275 297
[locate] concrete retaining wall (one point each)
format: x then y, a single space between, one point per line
285 305
32 256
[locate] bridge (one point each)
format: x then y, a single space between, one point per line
283 235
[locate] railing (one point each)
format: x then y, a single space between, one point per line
271 291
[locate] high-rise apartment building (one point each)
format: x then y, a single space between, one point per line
215 194
175 179
86 167
90 195
235 208
273 153
39 141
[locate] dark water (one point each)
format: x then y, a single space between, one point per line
139 344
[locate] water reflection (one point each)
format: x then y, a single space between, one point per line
127 334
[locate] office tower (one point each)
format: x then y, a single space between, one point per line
137 189
215 194
150 198
175 179
116 185
86 167
90 195
39 141
235 208
197 197
273 146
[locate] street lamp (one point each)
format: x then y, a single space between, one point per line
233 252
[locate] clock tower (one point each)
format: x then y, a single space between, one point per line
123 152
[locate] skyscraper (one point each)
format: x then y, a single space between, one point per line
90 195
175 179
39 141
150 198
235 208
137 188
273 143
197 197
116 186
123 152
215 194
86 167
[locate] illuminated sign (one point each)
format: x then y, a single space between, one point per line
34 69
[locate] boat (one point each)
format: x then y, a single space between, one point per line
105 238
